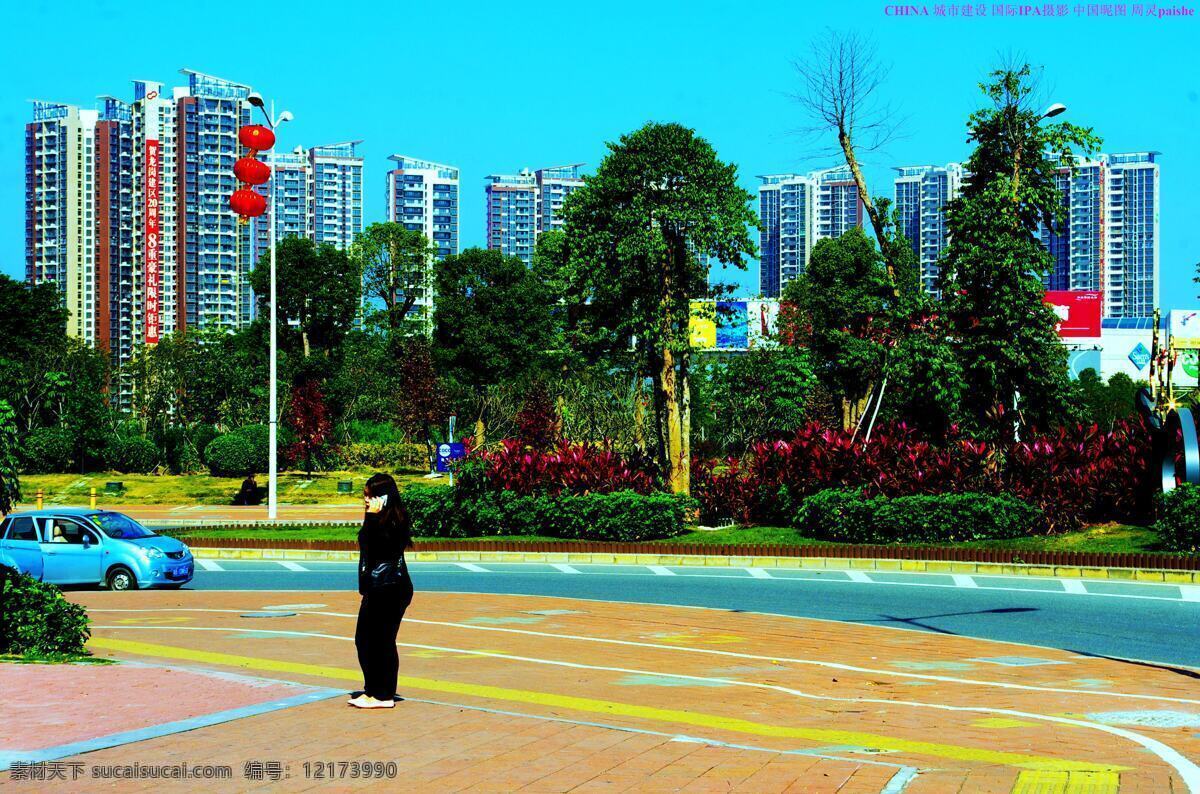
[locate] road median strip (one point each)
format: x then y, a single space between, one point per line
719 561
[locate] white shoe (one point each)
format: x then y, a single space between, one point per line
365 702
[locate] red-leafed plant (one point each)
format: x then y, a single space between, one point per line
537 421
310 425
563 468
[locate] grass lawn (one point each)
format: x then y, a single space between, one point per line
204 489
53 658
1102 538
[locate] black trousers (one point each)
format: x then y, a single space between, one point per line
379 618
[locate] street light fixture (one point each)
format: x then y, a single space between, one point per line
1050 112
273 121
1054 110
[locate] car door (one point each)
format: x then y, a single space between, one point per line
20 545
75 557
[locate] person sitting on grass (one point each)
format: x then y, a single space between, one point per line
250 494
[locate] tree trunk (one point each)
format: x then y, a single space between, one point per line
304 339
877 221
674 432
480 433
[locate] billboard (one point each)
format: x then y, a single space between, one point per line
151 276
762 317
1078 312
1185 329
732 332
702 326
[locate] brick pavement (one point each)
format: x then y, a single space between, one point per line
546 694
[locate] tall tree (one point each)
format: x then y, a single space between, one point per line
844 294
318 288
421 401
839 91
994 265
492 324
641 234
396 264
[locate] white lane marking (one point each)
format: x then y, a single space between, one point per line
1187 770
292 566
1074 586
962 580
209 565
658 570
859 576
758 573
711 651
562 566
472 567
1189 592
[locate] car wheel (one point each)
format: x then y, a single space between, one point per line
121 578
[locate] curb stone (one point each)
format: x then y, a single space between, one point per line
676 560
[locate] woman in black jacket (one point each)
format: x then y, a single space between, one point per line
386 589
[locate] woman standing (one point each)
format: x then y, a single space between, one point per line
386 589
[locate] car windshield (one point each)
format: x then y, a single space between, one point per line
120 527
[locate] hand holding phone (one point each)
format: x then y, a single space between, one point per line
376 503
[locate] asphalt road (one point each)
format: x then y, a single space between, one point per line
1140 621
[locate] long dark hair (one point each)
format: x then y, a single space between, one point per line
393 518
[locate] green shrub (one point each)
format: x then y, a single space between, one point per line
187 461
392 456
232 455
620 516
364 432
47 450
36 619
1178 522
846 516
131 455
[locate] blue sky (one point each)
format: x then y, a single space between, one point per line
494 87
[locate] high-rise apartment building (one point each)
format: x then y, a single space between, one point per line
921 195
60 211
1107 241
796 211
423 196
336 203
522 206
114 206
293 196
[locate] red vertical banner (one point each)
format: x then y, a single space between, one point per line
152 280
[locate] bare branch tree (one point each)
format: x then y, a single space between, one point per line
840 84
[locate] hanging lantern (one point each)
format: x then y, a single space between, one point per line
251 171
248 203
256 137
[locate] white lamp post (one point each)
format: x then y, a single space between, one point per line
273 420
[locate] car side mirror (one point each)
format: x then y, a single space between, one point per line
87 541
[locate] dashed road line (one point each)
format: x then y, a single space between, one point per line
209 565
1189 592
472 567
758 573
562 566
962 580
1074 586
859 576
292 566
659 570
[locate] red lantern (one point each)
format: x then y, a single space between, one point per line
256 137
251 171
248 203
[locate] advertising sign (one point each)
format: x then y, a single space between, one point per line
1078 312
152 277
732 333
1185 329
702 326
762 316
447 453
1079 360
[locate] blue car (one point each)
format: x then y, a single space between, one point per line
79 547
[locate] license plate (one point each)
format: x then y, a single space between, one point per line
181 572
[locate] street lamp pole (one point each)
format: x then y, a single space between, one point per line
273 420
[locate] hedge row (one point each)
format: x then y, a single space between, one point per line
618 516
849 517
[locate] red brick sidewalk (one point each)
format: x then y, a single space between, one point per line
546 694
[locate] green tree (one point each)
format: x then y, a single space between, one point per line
762 394
10 483
395 263
844 295
492 323
1105 403
994 265
641 234
318 288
